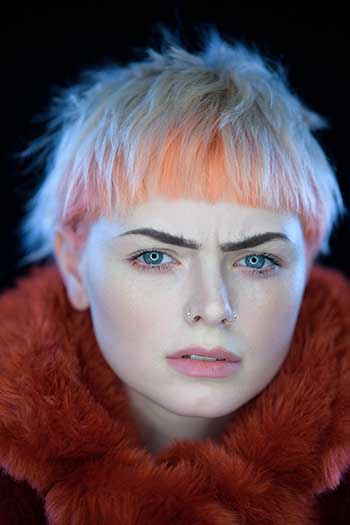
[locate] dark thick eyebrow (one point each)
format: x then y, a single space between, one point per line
167 238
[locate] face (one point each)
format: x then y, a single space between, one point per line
139 313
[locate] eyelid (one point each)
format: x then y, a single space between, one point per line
241 254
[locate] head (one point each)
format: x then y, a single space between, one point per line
211 147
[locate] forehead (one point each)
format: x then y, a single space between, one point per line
184 209
203 221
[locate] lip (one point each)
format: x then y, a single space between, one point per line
217 351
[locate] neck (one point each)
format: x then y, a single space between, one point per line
158 427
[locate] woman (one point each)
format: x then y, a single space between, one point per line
182 358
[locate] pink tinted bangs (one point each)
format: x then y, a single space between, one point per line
182 166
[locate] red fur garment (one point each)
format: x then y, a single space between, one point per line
70 452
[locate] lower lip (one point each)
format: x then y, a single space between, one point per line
194 368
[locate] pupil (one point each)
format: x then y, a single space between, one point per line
254 259
153 256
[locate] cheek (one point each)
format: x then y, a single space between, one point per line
266 341
127 317
269 319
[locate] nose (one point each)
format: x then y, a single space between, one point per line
210 300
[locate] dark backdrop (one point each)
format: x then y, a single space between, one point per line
45 47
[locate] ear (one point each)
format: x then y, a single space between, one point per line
68 258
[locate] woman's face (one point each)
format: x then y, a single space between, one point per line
139 314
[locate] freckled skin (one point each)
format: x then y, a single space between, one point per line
139 317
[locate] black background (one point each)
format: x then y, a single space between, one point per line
45 47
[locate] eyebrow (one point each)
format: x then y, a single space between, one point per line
247 242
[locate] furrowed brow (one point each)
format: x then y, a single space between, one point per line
167 238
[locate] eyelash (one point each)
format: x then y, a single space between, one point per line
164 267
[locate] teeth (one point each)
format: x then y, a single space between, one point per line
202 358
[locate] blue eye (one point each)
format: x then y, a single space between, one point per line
153 259
256 260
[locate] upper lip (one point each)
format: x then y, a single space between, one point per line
218 351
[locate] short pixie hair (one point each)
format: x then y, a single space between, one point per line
219 124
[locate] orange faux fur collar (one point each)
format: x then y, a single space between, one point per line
66 429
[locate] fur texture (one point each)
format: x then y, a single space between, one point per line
70 453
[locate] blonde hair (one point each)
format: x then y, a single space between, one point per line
219 124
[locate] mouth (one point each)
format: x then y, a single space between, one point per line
199 366
202 358
197 353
